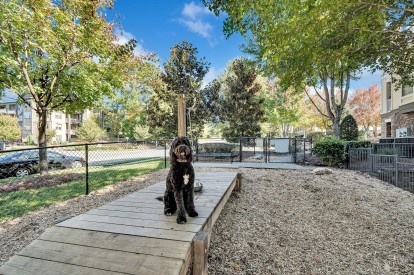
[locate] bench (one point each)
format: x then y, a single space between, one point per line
130 235
216 150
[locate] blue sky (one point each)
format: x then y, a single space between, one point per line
158 25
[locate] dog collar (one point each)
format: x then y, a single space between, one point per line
181 160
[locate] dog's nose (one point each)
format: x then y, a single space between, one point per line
183 153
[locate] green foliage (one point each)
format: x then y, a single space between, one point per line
18 203
9 128
60 55
316 135
349 128
323 54
90 131
183 73
50 134
141 133
240 103
330 150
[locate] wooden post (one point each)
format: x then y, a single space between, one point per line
237 188
200 248
182 131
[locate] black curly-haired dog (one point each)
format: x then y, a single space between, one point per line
179 193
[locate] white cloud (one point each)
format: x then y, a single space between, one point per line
193 11
198 26
193 18
124 37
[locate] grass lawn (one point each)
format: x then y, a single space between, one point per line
17 203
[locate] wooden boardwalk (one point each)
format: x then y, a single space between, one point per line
129 236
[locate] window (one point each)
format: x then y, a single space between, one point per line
58 126
27 128
58 116
26 114
2 107
12 107
388 89
407 90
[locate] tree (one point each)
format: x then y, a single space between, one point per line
282 109
127 109
9 128
90 131
385 27
183 74
241 108
311 57
50 134
349 128
365 104
59 55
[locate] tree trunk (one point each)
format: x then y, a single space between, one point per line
335 127
43 163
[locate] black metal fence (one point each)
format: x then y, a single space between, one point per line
73 170
253 149
393 163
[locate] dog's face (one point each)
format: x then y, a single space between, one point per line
181 150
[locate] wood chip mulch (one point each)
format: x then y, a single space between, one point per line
282 222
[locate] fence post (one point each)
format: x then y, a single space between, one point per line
241 150
294 151
304 149
396 170
196 158
254 146
165 154
87 168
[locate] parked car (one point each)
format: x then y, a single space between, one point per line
24 163
5 146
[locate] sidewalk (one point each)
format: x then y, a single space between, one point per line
256 165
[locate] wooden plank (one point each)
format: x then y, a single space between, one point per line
203 213
28 266
127 243
201 204
171 224
141 216
110 260
130 230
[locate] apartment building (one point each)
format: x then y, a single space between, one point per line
397 109
64 124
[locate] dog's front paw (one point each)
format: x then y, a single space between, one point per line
181 219
168 212
192 213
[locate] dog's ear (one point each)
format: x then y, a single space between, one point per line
173 157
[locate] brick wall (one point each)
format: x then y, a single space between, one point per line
399 121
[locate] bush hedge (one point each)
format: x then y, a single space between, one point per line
330 150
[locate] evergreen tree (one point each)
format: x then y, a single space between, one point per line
349 128
183 74
240 105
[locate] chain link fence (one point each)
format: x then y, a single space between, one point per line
72 170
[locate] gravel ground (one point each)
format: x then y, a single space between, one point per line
282 222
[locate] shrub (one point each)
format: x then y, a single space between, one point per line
330 150
349 128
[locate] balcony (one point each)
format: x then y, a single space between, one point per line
73 121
